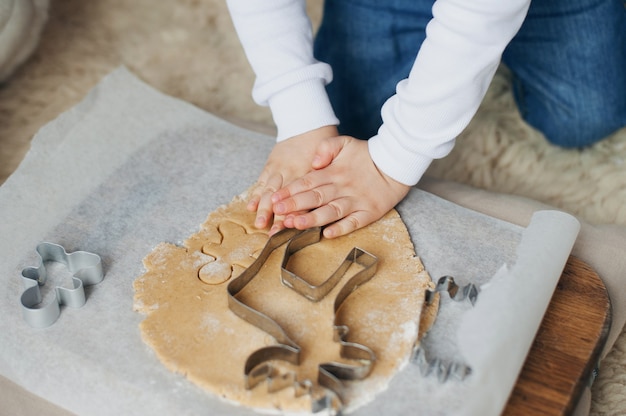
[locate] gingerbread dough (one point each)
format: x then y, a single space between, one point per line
192 331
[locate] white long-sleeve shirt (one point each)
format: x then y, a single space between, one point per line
449 78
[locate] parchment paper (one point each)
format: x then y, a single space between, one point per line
130 167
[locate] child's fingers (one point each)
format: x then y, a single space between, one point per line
277 226
307 200
307 183
264 211
327 151
346 225
326 214
253 203
340 214
288 220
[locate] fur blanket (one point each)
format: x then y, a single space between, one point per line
189 49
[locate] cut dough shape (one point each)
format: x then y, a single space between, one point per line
231 254
192 331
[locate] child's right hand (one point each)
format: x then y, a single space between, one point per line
345 189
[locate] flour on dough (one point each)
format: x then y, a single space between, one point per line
193 332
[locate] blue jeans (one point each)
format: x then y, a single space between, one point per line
568 63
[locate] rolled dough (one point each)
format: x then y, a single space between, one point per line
193 332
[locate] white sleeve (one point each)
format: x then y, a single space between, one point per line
277 38
452 71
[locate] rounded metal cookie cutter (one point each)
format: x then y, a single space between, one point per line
86 268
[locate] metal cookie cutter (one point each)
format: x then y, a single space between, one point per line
86 268
456 292
331 374
444 370
286 349
258 367
313 292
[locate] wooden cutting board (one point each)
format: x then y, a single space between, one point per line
567 347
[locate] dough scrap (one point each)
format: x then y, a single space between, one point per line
193 332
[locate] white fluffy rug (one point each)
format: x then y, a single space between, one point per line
188 49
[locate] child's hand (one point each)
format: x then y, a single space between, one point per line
346 188
289 160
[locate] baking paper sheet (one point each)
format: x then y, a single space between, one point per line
130 167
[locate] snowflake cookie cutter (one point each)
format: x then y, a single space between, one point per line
444 370
456 292
86 269
258 366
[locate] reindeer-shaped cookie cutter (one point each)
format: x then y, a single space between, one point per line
258 366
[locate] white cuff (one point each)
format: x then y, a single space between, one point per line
300 108
398 162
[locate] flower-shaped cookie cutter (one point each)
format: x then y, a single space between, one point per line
86 269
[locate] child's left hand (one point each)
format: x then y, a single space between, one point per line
289 160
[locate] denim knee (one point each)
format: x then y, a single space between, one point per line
580 132
569 69
575 136
582 123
